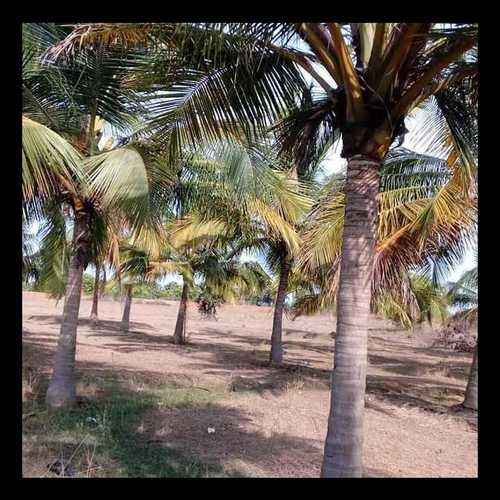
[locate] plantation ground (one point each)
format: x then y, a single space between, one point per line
149 408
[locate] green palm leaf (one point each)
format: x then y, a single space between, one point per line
47 159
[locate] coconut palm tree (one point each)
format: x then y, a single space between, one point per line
374 75
127 282
117 178
305 147
214 263
427 301
88 226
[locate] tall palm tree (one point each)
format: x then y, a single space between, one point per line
376 74
305 148
118 178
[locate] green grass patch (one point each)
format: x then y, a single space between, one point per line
102 436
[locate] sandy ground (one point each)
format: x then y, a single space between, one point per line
278 428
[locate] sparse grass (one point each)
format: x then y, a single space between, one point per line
297 382
111 431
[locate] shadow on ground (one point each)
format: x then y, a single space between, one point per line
408 378
101 324
156 430
402 381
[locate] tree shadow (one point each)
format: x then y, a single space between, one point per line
252 341
373 405
408 382
235 438
309 346
371 472
163 431
138 341
306 334
411 385
412 367
100 324
245 339
175 433
414 392
37 355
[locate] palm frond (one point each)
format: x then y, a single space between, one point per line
46 160
119 178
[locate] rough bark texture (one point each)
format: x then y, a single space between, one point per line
61 392
126 309
180 325
276 356
470 400
344 441
95 298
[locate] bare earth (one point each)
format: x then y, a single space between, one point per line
276 429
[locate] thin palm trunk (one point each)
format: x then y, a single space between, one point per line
95 298
276 356
470 400
344 441
61 392
126 309
180 326
103 282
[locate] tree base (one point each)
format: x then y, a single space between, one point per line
60 397
469 407
276 362
276 358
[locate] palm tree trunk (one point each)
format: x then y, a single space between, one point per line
61 392
126 310
470 400
95 298
103 282
276 356
344 441
180 326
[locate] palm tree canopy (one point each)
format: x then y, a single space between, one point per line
377 72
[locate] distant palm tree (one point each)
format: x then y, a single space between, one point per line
464 296
215 264
301 149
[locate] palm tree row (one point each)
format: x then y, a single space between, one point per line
229 103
